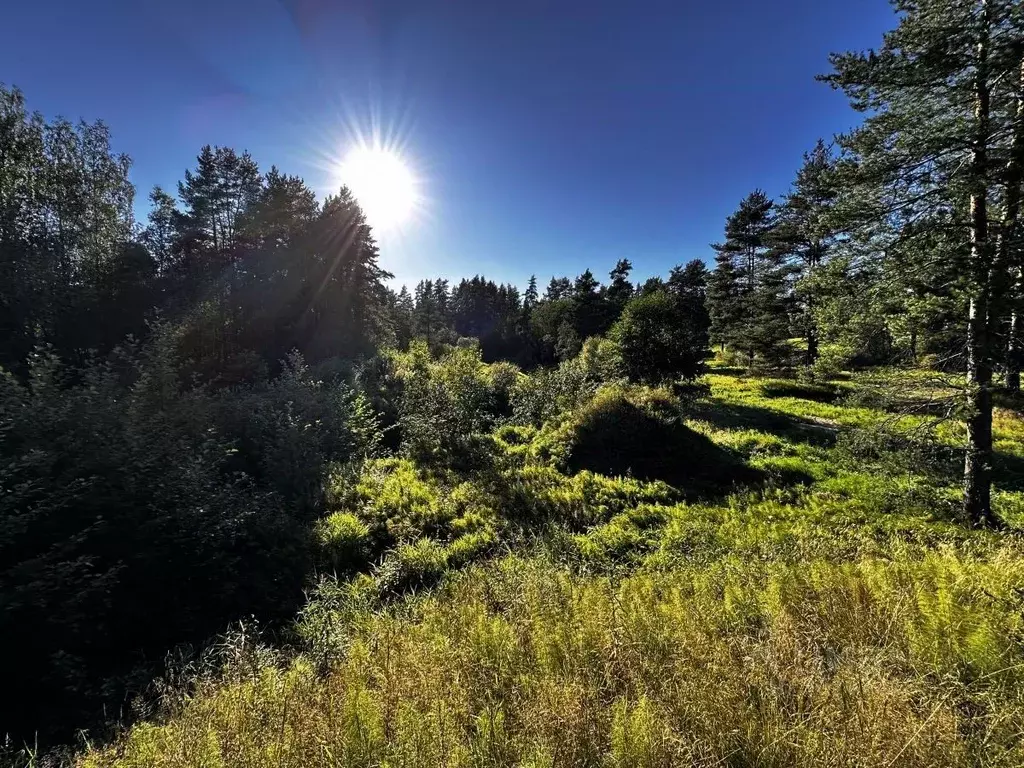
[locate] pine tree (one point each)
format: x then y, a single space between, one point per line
558 288
219 193
160 234
939 114
805 236
403 312
724 302
748 294
426 320
530 298
688 287
1011 239
620 290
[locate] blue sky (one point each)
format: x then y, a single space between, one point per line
551 135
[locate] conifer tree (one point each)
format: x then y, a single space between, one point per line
805 237
939 119
747 295
530 297
620 290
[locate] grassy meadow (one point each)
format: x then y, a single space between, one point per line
770 574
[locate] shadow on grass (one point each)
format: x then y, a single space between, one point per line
623 439
817 393
792 428
1011 401
1008 472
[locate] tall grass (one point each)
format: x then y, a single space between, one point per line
833 613
872 663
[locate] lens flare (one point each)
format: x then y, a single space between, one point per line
382 182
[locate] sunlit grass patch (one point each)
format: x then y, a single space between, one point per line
873 663
836 612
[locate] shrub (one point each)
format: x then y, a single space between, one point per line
548 393
127 526
343 541
446 404
412 566
657 342
288 430
398 503
503 380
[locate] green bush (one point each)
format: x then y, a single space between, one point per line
448 403
344 541
548 393
659 343
287 431
412 566
130 522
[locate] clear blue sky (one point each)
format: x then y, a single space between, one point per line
552 135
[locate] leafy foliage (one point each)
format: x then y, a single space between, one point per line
659 342
120 485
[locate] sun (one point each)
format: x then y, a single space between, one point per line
384 185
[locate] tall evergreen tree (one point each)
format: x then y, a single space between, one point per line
620 290
531 297
805 236
688 287
558 288
938 120
403 312
748 293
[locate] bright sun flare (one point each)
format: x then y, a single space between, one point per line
382 183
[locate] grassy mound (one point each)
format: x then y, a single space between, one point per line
641 433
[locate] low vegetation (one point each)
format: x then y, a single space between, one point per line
825 606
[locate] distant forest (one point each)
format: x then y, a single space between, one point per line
175 390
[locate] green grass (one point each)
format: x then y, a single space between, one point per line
830 609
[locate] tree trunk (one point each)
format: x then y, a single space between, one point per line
1008 248
978 455
1013 344
977 501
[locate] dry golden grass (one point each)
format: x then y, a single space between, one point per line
518 663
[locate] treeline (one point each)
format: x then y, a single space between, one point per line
797 285
534 328
902 242
251 263
163 440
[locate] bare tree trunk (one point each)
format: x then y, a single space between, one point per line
1008 246
812 327
978 455
977 501
1013 343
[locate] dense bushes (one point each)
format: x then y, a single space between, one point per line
446 403
136 514
548 393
